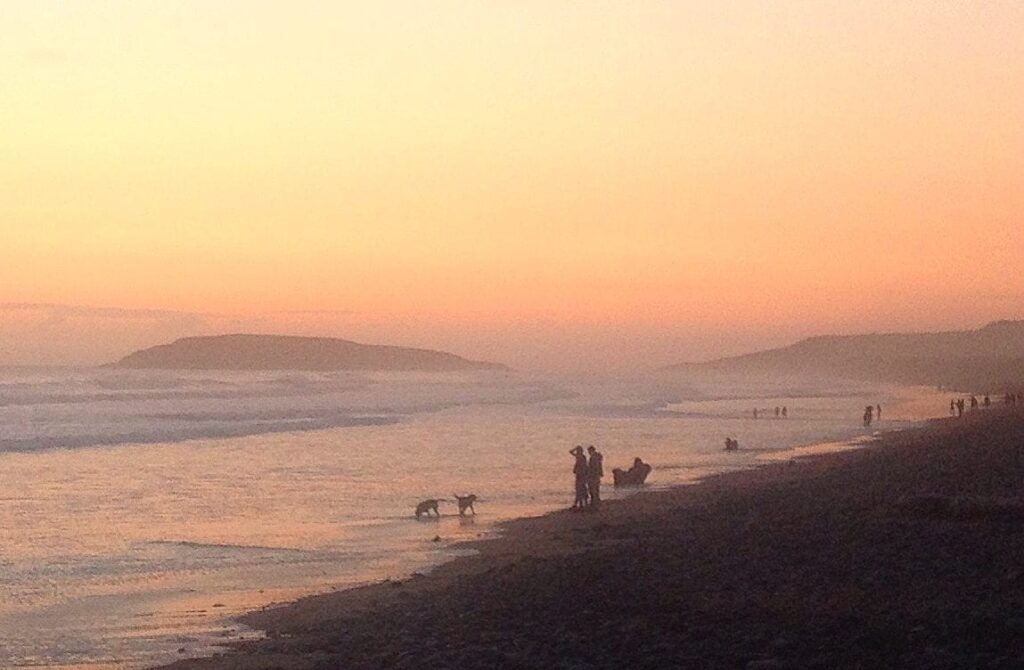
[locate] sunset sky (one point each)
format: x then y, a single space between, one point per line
571 185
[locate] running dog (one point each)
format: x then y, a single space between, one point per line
465 502
426 507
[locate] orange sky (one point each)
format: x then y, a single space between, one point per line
605 183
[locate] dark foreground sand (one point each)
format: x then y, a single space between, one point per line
909 554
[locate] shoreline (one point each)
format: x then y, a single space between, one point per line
434 620
251 621
245 628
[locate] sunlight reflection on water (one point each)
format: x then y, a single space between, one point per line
128 554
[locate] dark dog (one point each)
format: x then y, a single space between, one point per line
426 507
465 502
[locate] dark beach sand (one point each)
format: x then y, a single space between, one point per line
907 554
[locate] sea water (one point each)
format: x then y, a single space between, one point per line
140 511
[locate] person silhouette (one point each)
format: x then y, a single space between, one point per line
785 412
640 469
579 469
635 476
595 470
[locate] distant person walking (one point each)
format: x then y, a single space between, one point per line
579 469
952 407
974 403
785 412
878 412
595 470
869 413
776 411
960 407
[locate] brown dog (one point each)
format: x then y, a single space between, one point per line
465 502
426 507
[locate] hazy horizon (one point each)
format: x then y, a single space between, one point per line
594 186
66 335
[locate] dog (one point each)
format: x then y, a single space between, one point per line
465 502
426 507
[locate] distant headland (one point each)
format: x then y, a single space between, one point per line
286 352
991 357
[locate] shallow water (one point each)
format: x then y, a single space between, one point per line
140 511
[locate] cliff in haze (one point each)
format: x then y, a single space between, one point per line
284 352
988 358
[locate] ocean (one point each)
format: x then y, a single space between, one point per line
140 511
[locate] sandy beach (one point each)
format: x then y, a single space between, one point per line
908 553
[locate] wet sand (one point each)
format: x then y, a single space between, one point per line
908 553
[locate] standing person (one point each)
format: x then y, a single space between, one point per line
579 469
785 412
878 412
952 407
869 412
595 470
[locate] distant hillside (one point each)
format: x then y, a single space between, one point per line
990 357
283 352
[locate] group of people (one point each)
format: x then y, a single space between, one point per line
588 472
588 469
872 412
782 412
957 406
589 466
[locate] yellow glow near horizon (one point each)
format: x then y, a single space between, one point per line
493 162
